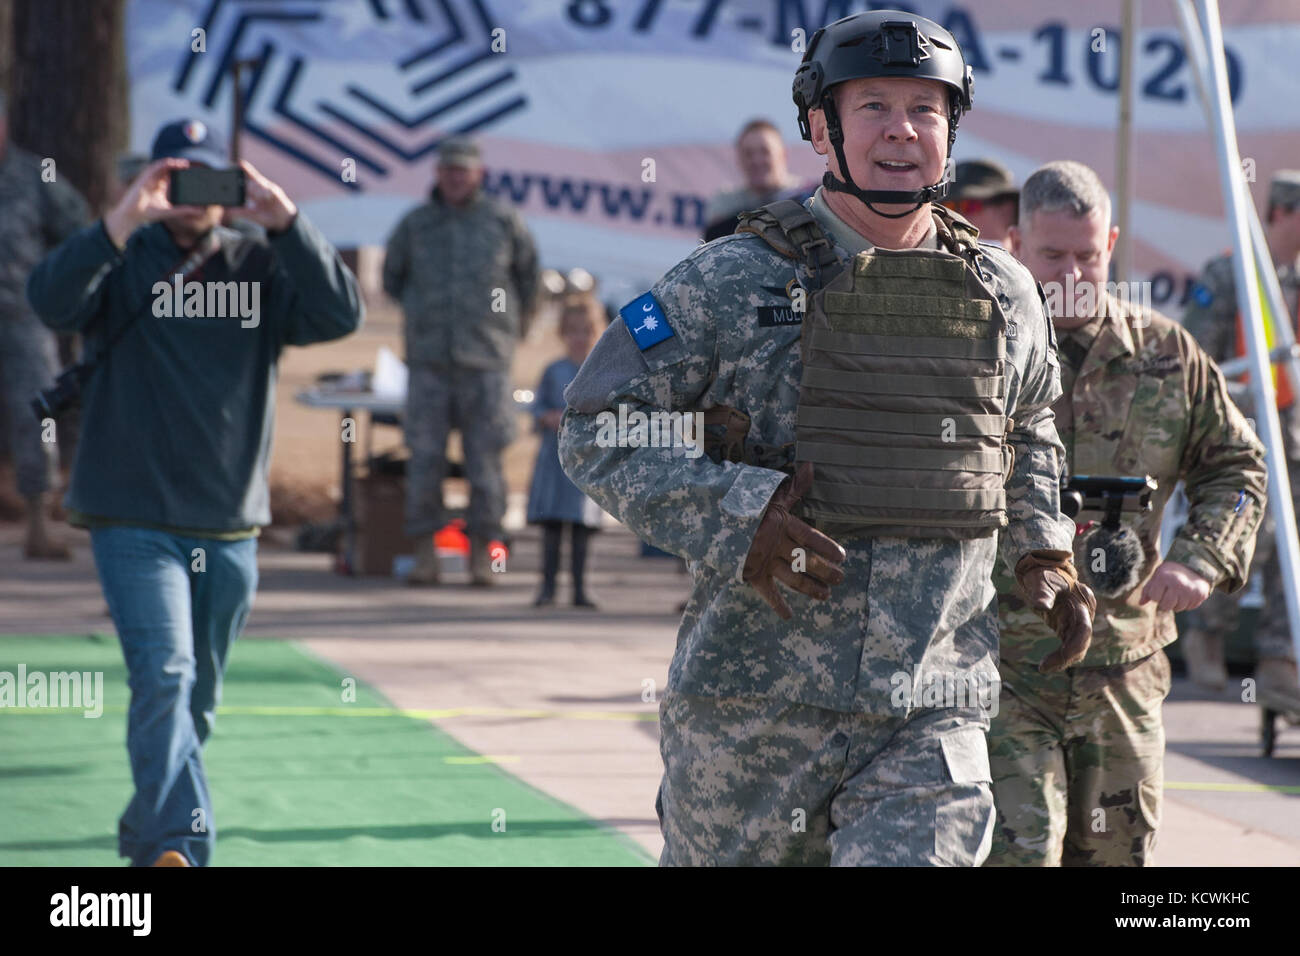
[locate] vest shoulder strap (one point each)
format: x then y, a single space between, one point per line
792 231
957 235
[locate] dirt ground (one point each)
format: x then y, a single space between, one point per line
305 458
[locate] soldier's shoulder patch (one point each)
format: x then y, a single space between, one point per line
645 320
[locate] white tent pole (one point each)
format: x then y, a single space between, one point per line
1195 44
1244 270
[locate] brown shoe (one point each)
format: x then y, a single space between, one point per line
426 571
480 563
1203 653
170 858
1277 685
40 546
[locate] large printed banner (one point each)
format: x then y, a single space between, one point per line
610 122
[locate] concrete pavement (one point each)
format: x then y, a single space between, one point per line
571 694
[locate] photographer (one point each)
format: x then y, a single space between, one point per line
171 472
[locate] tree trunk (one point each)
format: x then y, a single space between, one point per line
67 88
67 102
6 43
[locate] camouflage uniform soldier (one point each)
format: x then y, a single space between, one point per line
1078 756
760 153
35 216
984 194
843 726
1211 318
464 268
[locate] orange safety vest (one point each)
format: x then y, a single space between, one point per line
1281 381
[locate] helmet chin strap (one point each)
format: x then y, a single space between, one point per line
916 197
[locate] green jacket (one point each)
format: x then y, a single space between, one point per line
177 418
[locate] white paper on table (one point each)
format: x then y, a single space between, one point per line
389 379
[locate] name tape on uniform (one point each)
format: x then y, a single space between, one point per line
646 321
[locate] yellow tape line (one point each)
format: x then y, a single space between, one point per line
1232 787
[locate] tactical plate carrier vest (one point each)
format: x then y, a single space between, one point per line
903 399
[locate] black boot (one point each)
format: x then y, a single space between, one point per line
550 563
581 535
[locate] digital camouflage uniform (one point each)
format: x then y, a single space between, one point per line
1211 318
35 217
467 281
1078 756
786 741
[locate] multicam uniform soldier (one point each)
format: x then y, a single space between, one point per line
792 734
35 216
1211 318
985 195
1078 756
464 268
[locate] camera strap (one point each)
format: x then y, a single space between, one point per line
203 250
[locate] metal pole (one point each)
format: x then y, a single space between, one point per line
238 105
1284 348
1244 271
1123 258
236 110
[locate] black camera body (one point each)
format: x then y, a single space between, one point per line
1111 495
201 186
1114 561
64 394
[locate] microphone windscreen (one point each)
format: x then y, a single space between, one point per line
1112 561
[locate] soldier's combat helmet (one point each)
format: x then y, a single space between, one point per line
881 43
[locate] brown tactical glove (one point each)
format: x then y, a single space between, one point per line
772 551
1052 587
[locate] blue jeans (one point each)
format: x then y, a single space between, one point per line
177 612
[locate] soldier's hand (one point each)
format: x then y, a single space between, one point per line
1052 588
791 551
1176 587
145 201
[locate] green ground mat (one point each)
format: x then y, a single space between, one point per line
293 788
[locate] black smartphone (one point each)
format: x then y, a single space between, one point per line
201 186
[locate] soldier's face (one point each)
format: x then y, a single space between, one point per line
895 133
1071 250
762 159
1285 225
457 183
578 335
993 218
193 222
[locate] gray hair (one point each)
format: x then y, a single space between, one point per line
1064 184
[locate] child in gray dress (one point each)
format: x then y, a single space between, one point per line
553 500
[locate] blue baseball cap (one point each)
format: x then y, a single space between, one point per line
190 139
